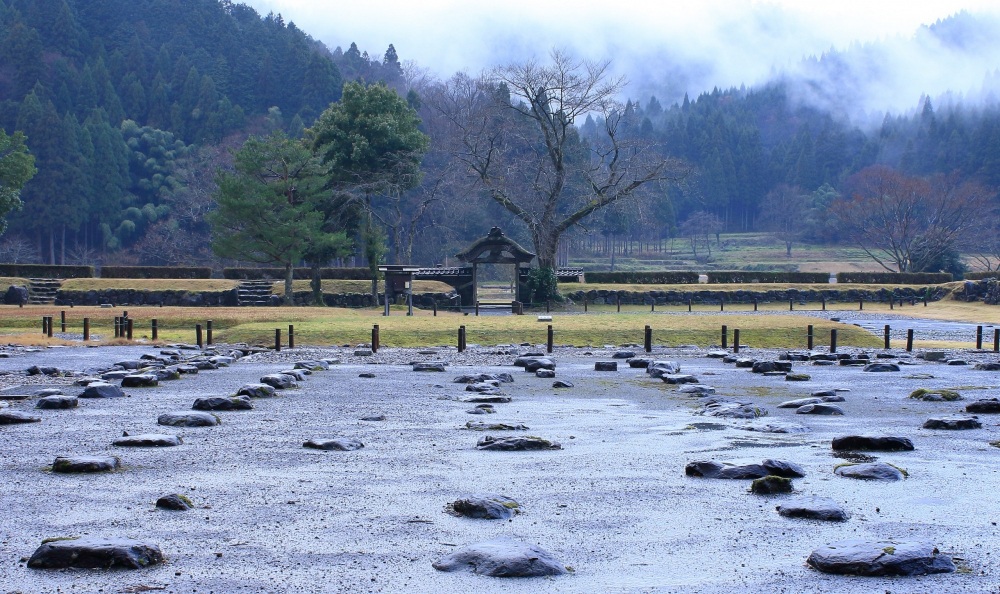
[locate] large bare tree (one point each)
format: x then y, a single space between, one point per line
515 129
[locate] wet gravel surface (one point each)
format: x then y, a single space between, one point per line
613 504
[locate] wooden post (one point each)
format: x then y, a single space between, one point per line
51 324
824 303
689 304
833 340
736 340
809 337
197 335
277 339
118 327
861 304
291 336
725 336
477 307
376 339
154 329
885 334
791 305
62 321
618 299
652 306
45 326
979 338
128 328
909 340
461 339
996 340
208 332
585 304
755 305
548 340
86 329
647 340
892 302
722 304
434 305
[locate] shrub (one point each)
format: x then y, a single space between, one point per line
297 273
156 272
753 276
895 278
982 275
663 277
542 285
46 271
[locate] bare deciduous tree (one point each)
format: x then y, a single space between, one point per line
782 213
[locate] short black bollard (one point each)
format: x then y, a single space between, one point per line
197 335
277 339
652 306
434 305
461 339
62 321
979 338
909 340
376 339
833 340
155 329
548 340
755 305
584 305
291 337
618 299
722 304
736 340
118 327
128 329
45 325
208 332
477 307
996 340
885 334
824 303
809 337
647 340
861 304
791 305
725 336
86 329
51 324
689 304
892 303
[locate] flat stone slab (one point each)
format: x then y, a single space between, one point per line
880 443
57 402
718 470
431 366
312 365
775 427
991 366
880 558
814 508
149 440
545 373
102 390
513 444
222 403
987 406
483 426
343 444
489 399
91 552
487 387
502 557
821 408
256 391
731 409
639 363
279 381
880 367
953 422
140 380
188 419
606 366
16 417
872 471
70 464
562 384
477 378
799 402
659 368
697 390
678 378
484 507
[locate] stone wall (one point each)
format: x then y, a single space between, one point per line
744 296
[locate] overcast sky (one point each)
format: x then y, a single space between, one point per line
665 47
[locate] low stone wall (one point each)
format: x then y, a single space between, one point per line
986 290
228 298
744 296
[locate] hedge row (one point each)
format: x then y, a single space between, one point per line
155 272
297 273
980 275
895 278
744 276
46 271
663 277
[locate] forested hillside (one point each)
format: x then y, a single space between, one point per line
131 106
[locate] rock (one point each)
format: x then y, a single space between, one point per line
880 367
545 373
174 502
511 444
678 378
343 444
430 366
880 558
373 418
562 384
639 363
481 426
768 366
187 369
934 356
366 374
783 468
16 417
623 355
488 387
732 409
15 295
540 363
770 485
505 378
813 508
819 409
776 427
502 558
298 375
717 354
140 380
222 403
48 392
492 399
148 440
312 365
697 389
659 368
91 552
744 363
823 393
167 374
875 471
797 377
256 391
484 507
937 395
718 470
799 402
188 419
279 381
882 443
823 363
57 402
482 409
987 406
957 362
102 390
953 422
991 366
85 463
36 370
204 364
115 376
606 366
363 353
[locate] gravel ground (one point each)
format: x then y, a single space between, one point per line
613 504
